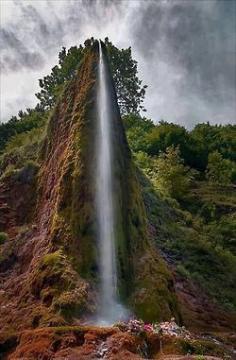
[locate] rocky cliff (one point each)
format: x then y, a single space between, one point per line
49 264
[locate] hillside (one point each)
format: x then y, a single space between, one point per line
176 246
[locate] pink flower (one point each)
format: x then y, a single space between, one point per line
148 327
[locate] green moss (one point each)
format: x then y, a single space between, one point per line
8 173
196 347
54 260
58 286
154 298
201 347
71 303
182 271
53 271
3 237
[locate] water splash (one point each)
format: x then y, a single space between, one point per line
110 308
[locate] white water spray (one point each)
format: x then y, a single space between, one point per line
110 309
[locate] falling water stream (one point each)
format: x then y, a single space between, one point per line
110 309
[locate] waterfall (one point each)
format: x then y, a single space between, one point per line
110 309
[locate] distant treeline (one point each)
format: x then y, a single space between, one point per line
195 145
144 136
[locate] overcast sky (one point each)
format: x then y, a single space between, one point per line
186 51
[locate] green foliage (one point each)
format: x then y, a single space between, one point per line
166 172
169 174
182 271
132 121
53 260
26 121
144 161
222 233
206 138
196 256
130 91
52 84
3 237
197 234
136 130
194 145
24 139
165 135
211 200
219 170
207 211
20 150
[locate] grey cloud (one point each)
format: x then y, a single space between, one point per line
184 34
15 55
30 40
46 35
186 48
197 40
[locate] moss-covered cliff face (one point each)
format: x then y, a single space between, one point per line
49 274
67 204
53 271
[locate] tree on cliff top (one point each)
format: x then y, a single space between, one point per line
130 91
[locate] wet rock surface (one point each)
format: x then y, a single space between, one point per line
92 342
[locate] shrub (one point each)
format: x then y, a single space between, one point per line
3 237
28 172
170 175
182 271
219 170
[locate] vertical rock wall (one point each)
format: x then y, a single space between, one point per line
57 264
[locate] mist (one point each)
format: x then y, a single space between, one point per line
186 51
